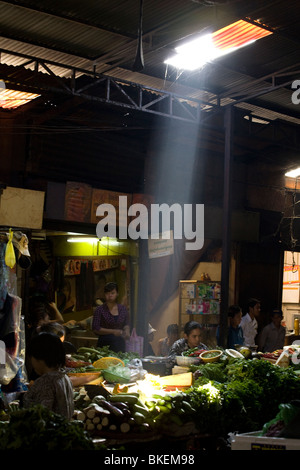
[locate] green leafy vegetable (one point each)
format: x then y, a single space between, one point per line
250 393
39 429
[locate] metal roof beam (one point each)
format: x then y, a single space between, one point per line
190 107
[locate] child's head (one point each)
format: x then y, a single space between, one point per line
46 350
53 327
235 315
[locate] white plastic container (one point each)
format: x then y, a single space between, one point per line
252 441
186 361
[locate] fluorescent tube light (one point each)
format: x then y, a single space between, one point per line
90 240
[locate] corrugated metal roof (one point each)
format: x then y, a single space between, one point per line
102 37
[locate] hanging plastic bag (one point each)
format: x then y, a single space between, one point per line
10 257
10 369
135 343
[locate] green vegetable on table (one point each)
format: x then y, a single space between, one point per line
92 354
40 429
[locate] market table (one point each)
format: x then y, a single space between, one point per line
290 338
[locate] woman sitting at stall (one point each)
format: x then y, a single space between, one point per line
190 340
111 321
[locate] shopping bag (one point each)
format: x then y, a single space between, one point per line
10 257
135 343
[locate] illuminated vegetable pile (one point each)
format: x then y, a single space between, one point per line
236 395
247 394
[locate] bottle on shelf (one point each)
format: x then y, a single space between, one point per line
296 326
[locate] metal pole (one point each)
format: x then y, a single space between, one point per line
143 291
227 210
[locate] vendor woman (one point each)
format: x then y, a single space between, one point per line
111 321
191 339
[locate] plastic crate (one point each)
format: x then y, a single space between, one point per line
253 441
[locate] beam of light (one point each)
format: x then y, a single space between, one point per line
207 48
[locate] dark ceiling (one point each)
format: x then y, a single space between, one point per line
79 56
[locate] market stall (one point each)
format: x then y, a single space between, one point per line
198 409
213 394
206 401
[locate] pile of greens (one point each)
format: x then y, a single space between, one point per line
249 394
38 428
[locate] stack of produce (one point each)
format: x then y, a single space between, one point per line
92 354
102 361
115 413
250 392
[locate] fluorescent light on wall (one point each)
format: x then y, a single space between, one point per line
196 53
293 173
90 240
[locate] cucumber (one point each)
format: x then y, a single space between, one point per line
164 409
138 417
176 419
140 409
79 357
84 350
125 398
